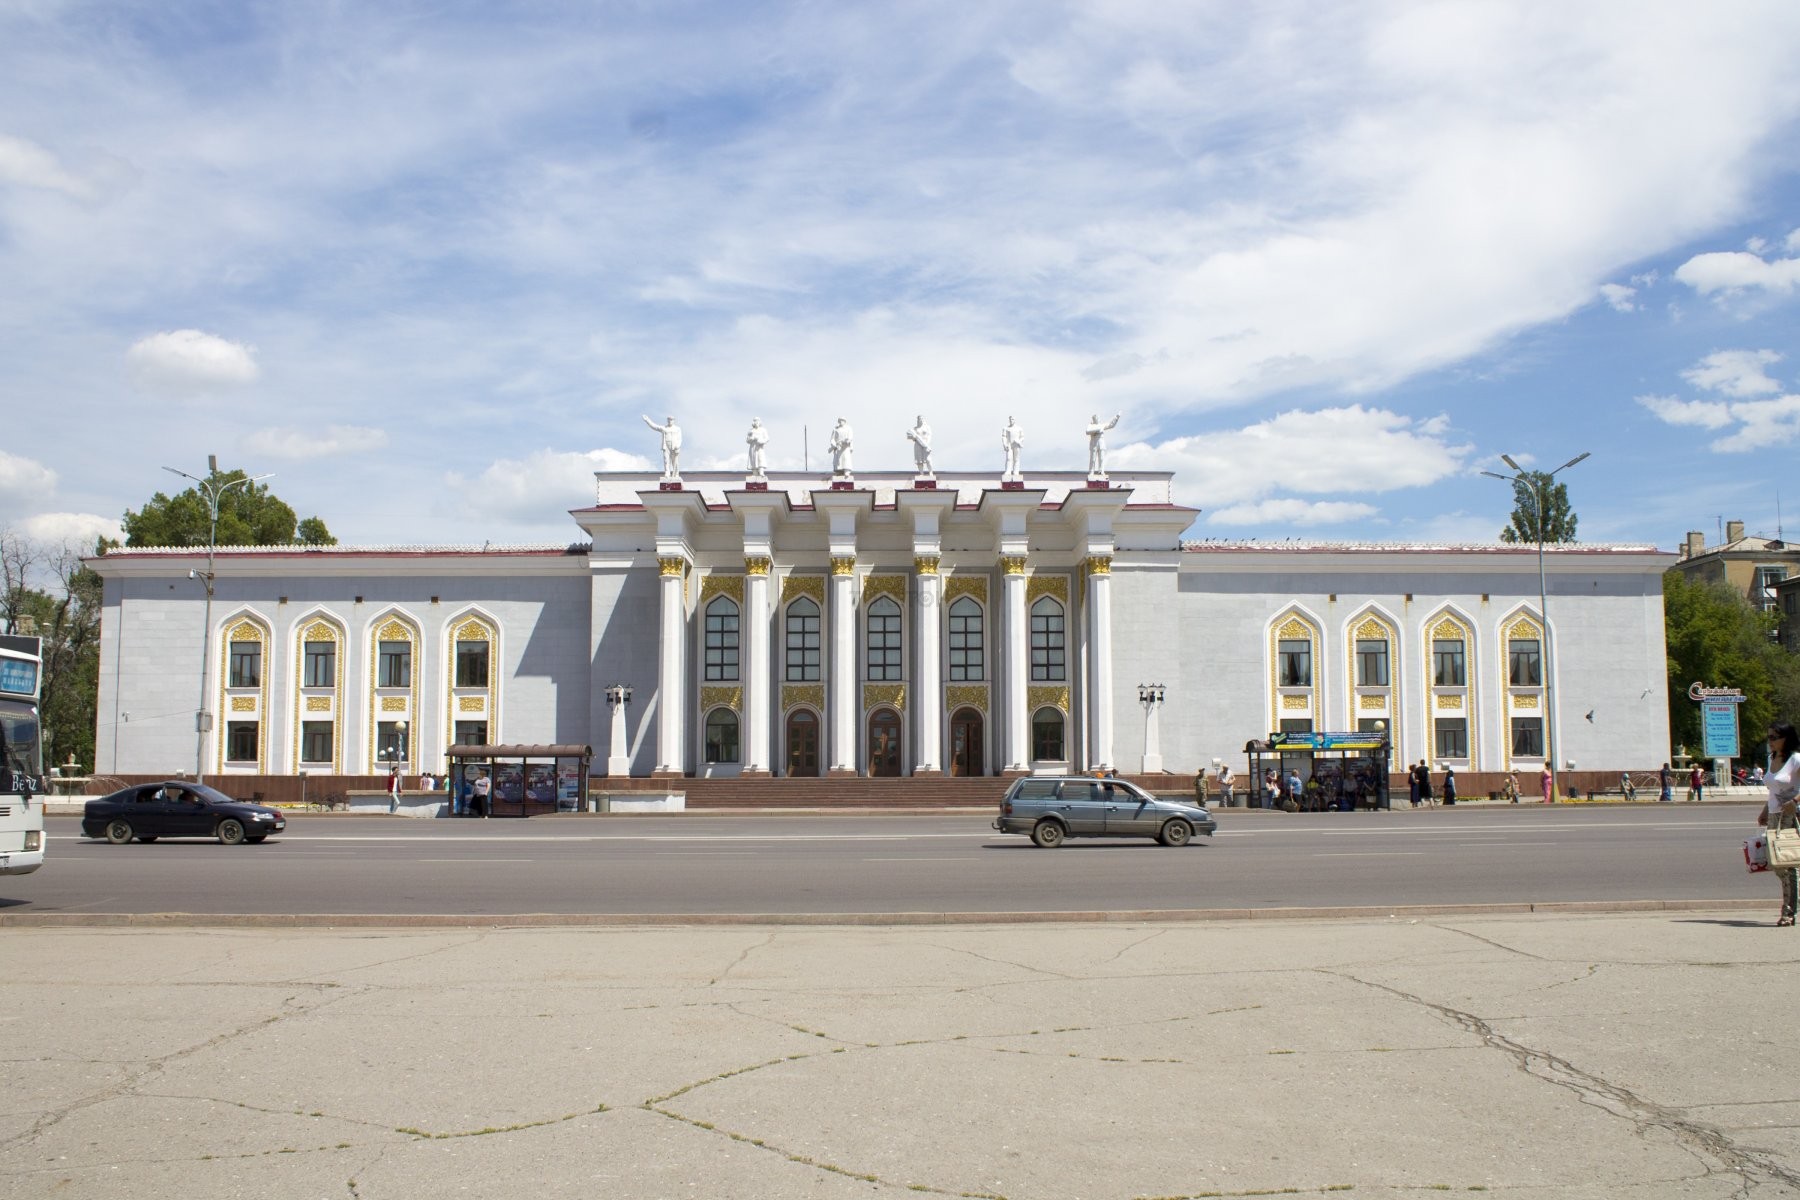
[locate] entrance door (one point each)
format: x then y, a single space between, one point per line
802 743
884 743
965 743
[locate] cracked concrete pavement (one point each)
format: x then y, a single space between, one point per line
1606 1055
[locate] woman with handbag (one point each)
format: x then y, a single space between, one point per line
1783 780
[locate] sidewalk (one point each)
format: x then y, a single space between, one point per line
1554 1057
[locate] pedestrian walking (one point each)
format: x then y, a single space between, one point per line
1227 785
1547 783
1665 779
1271 789
479 800
1509 788
1696 784
1412 785
1425 795
1296 794
1449 787
1783 782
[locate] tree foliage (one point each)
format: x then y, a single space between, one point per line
65 613
1716 638
1558 518
249 515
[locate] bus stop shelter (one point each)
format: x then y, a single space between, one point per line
1338 771
523 781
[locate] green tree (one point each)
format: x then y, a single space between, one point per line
249 515
66 616
1558 518
1715 637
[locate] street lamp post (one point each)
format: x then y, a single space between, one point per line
1150 695
1537 487
211 490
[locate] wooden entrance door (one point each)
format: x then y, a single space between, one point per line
802 743
884 743
965 743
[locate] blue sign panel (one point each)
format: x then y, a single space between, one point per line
18 676
1719 727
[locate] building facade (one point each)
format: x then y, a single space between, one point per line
879 625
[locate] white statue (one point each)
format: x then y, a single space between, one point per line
757 439
671 447
840 448
1011 439
920 436
1097 445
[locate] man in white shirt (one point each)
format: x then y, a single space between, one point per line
1227 784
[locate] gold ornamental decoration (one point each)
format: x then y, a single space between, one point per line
1098 564
471 704
393 630
1524 627
722 585
1372 703
1450 703
393 704
843 564
1372 629
1054 586
721 697
964 695
1294 629
319 629
1448 629
877 694
1523 701
926 564
243 704
1047 696
1296 703
885 585
794 694
812 586
1012 564
318 704
756 564
667 567
974 586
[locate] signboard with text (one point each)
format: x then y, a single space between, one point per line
1718 719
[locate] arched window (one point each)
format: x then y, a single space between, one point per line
1047 735
722 640
965 641
803 641
721 736
1048 653
884 640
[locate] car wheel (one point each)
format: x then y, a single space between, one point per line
230 832
1048 834
118 832
1175 833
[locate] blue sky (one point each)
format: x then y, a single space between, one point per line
429 263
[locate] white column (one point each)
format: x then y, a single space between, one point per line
1100 702
927 693
1018 658
841 690
756 664
671 704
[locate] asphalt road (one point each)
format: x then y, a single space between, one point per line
952 863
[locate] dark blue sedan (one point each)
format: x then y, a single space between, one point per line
178 808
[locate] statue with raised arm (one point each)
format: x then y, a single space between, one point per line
671 447
920 436
1012 438
840 448
1096 433
757 440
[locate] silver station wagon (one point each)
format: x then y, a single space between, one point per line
1053 807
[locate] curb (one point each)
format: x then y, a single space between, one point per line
176 920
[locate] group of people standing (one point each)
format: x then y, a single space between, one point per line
1419 789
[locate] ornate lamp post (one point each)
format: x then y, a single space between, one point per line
1537 487
210 490
618 696
1151 695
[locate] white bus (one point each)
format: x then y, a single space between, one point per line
21 755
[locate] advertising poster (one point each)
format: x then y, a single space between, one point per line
1719 724
509 782
540 783
568 784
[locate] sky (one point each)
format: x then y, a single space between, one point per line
430 264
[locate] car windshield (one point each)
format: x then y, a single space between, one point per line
20 749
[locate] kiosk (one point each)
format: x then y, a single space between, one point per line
523 781
1338 771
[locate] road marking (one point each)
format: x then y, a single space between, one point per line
1367 853
472 860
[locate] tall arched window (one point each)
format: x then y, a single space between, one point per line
803 641
1048 653
884 640
966 639
722 641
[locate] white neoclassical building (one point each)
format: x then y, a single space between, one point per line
880 624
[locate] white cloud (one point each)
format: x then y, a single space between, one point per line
185 361
1289 511
30 165
1619 296
1735 372
286 442
80 530
1763 424
1733 271
528 490
25 477
1707 414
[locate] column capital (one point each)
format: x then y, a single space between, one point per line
1013 564
670 564
843 564
756 564
1098 564
926 564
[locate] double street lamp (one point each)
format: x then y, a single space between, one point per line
1538 483
211 489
